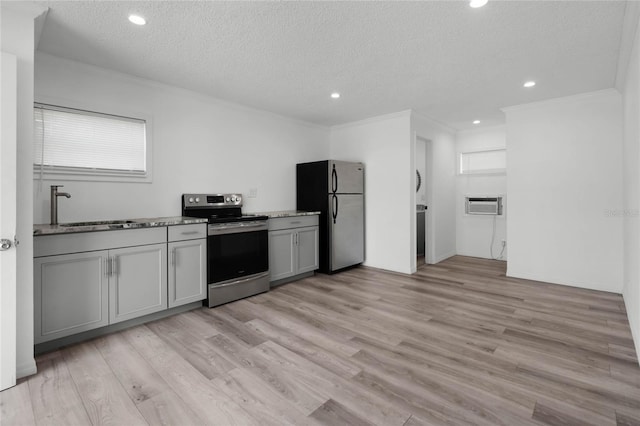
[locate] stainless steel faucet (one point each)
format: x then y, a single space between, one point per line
54 202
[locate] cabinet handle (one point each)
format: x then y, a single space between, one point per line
114 267
106 266
189 233
173 257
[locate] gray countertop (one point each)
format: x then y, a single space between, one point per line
110 225
286 213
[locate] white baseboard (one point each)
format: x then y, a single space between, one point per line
560 281
480 256
25 369
442 257
635 333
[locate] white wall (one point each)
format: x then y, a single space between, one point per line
383 145
200 144
18 39
387 146
473 233
441 214
631 101
564 163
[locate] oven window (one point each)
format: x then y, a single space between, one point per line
237 255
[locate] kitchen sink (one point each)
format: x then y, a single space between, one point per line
99 222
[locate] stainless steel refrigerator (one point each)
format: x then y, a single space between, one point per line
336 190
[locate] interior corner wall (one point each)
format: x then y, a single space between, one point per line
564 168
383 145
474 232
200 144
18 39
631 213
442 212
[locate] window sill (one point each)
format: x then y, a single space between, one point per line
91 176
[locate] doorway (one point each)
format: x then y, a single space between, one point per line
424 201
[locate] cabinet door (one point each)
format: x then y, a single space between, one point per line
187 272
71 294
307 242
282 256
138 282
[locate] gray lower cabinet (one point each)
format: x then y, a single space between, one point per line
187 271
71 294
89 280
293 246
282 254
137 282
307 244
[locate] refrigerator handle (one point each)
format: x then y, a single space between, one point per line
334 207
334 180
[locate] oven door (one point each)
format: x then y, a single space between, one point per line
236 250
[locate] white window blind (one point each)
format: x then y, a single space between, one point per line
75 141
489 161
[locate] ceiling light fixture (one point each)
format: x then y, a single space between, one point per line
335 95
477 3
137 19
529 84
476 121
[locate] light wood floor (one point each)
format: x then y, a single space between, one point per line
457 343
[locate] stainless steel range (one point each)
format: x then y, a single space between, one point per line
237 246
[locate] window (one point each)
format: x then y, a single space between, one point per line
487 161
77 144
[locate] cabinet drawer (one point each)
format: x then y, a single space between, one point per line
187 232
292 222
50 245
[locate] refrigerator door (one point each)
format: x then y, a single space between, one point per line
346 178
346 230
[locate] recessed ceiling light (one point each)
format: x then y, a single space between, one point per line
529 84
137 19
477 3
476 121
335 95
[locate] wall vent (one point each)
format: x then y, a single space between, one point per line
483 205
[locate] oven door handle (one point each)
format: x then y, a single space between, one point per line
234 229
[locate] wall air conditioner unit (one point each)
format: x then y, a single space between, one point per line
483 205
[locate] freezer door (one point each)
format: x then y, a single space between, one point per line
346 178
346 225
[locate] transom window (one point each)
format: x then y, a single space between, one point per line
483 162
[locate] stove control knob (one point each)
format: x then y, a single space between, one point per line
233 199
228 199
238 199
191 200
197 199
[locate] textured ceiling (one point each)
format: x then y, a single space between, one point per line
442 59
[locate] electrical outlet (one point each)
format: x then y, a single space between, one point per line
253 193
504 243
